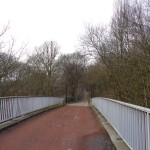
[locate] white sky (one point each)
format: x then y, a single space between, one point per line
37 21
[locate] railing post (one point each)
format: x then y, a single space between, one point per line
148 132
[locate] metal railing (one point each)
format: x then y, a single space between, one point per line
131 122
12 107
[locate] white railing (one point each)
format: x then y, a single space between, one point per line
12 107
131 122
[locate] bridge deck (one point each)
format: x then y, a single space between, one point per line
66 128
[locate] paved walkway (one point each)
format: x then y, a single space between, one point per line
81 103
65 128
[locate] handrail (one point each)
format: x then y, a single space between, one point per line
7 97
129 105
12 107
130 121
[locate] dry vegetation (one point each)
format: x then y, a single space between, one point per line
122 52
121 69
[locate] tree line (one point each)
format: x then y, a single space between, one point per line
122 54
45 73
119 65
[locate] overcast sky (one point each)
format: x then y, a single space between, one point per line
36 21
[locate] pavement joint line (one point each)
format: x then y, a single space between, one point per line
119 144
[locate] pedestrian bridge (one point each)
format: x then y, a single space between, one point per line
131 122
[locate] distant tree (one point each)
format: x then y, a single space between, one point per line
9 64
43 64
73 67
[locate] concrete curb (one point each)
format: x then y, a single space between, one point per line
17 120
119 144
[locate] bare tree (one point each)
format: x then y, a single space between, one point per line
73 68
9 63
123 51
94 41
43 62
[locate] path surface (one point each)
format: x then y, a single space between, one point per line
65 128
82 103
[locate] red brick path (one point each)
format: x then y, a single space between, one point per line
65 128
